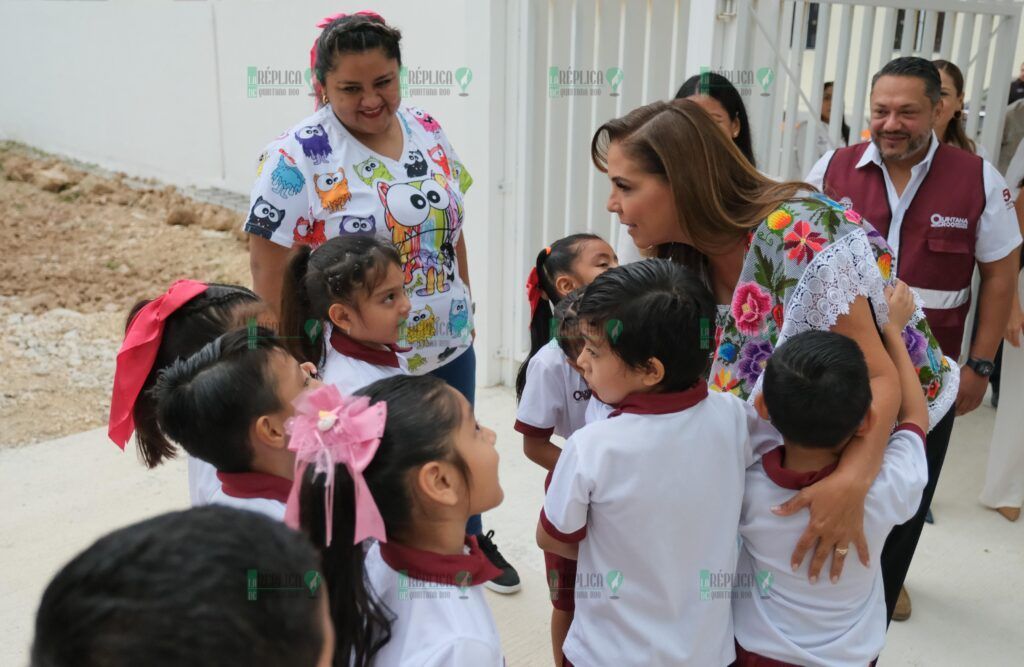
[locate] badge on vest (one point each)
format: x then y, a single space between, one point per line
948 221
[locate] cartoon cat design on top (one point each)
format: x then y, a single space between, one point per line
314 142
286 179
425 120
353 224
372 169
420 326
422 216
264 218
310 232
440 158
415 165
461 176
458 318
332 188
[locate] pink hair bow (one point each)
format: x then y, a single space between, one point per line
328 430
323 23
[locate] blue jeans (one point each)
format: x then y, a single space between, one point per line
460 374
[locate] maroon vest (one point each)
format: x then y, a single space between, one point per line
936 239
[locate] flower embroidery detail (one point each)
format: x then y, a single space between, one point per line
754 358
777 315
852 216
779 219
933 389
750 306
885 265
723 382
917 346
727 352
802 243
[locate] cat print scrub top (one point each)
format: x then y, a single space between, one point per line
316 181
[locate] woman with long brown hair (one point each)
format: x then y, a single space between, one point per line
780 259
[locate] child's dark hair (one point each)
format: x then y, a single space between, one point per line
220 308
553 261
721 89
423 415
567 328
171 591
355 33
654 308
816 388
333 273
208 402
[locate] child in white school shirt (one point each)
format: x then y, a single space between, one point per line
817 394
227 405
351 289
410 465
649 498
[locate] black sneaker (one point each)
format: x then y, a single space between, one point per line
508 581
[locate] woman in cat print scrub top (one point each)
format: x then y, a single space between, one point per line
366 164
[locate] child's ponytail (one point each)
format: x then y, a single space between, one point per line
302 340
553 261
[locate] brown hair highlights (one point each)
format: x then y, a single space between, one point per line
718 194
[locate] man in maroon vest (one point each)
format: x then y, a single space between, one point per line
944 211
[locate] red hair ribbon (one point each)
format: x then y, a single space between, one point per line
318 90
138 352
534 292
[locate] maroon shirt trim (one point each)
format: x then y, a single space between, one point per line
255 485
533 431
913 428
450 569
791 479
350 347
568 538
662 404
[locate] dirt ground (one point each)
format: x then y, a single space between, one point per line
78 250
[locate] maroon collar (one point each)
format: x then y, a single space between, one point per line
660 404
790 479
453 570
255 485
350 347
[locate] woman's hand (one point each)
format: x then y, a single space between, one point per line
1015 325
837 520
901 304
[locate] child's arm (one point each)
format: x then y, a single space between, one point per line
913 407
541 451
557 547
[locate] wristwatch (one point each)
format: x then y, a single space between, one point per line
982 367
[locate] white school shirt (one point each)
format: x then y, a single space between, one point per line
998 233
202 482
351 365
596 410
555 396
253 491
778 613
442 617
652 494
317 181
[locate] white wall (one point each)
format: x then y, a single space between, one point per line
158 89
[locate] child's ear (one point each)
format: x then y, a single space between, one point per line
867 423
268 430
340 316
435 482
762 407
654 372
564 284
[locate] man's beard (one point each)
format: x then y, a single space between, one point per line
914 145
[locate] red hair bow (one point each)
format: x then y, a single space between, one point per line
534 292
318 90
138 352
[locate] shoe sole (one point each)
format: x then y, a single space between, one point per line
504 590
